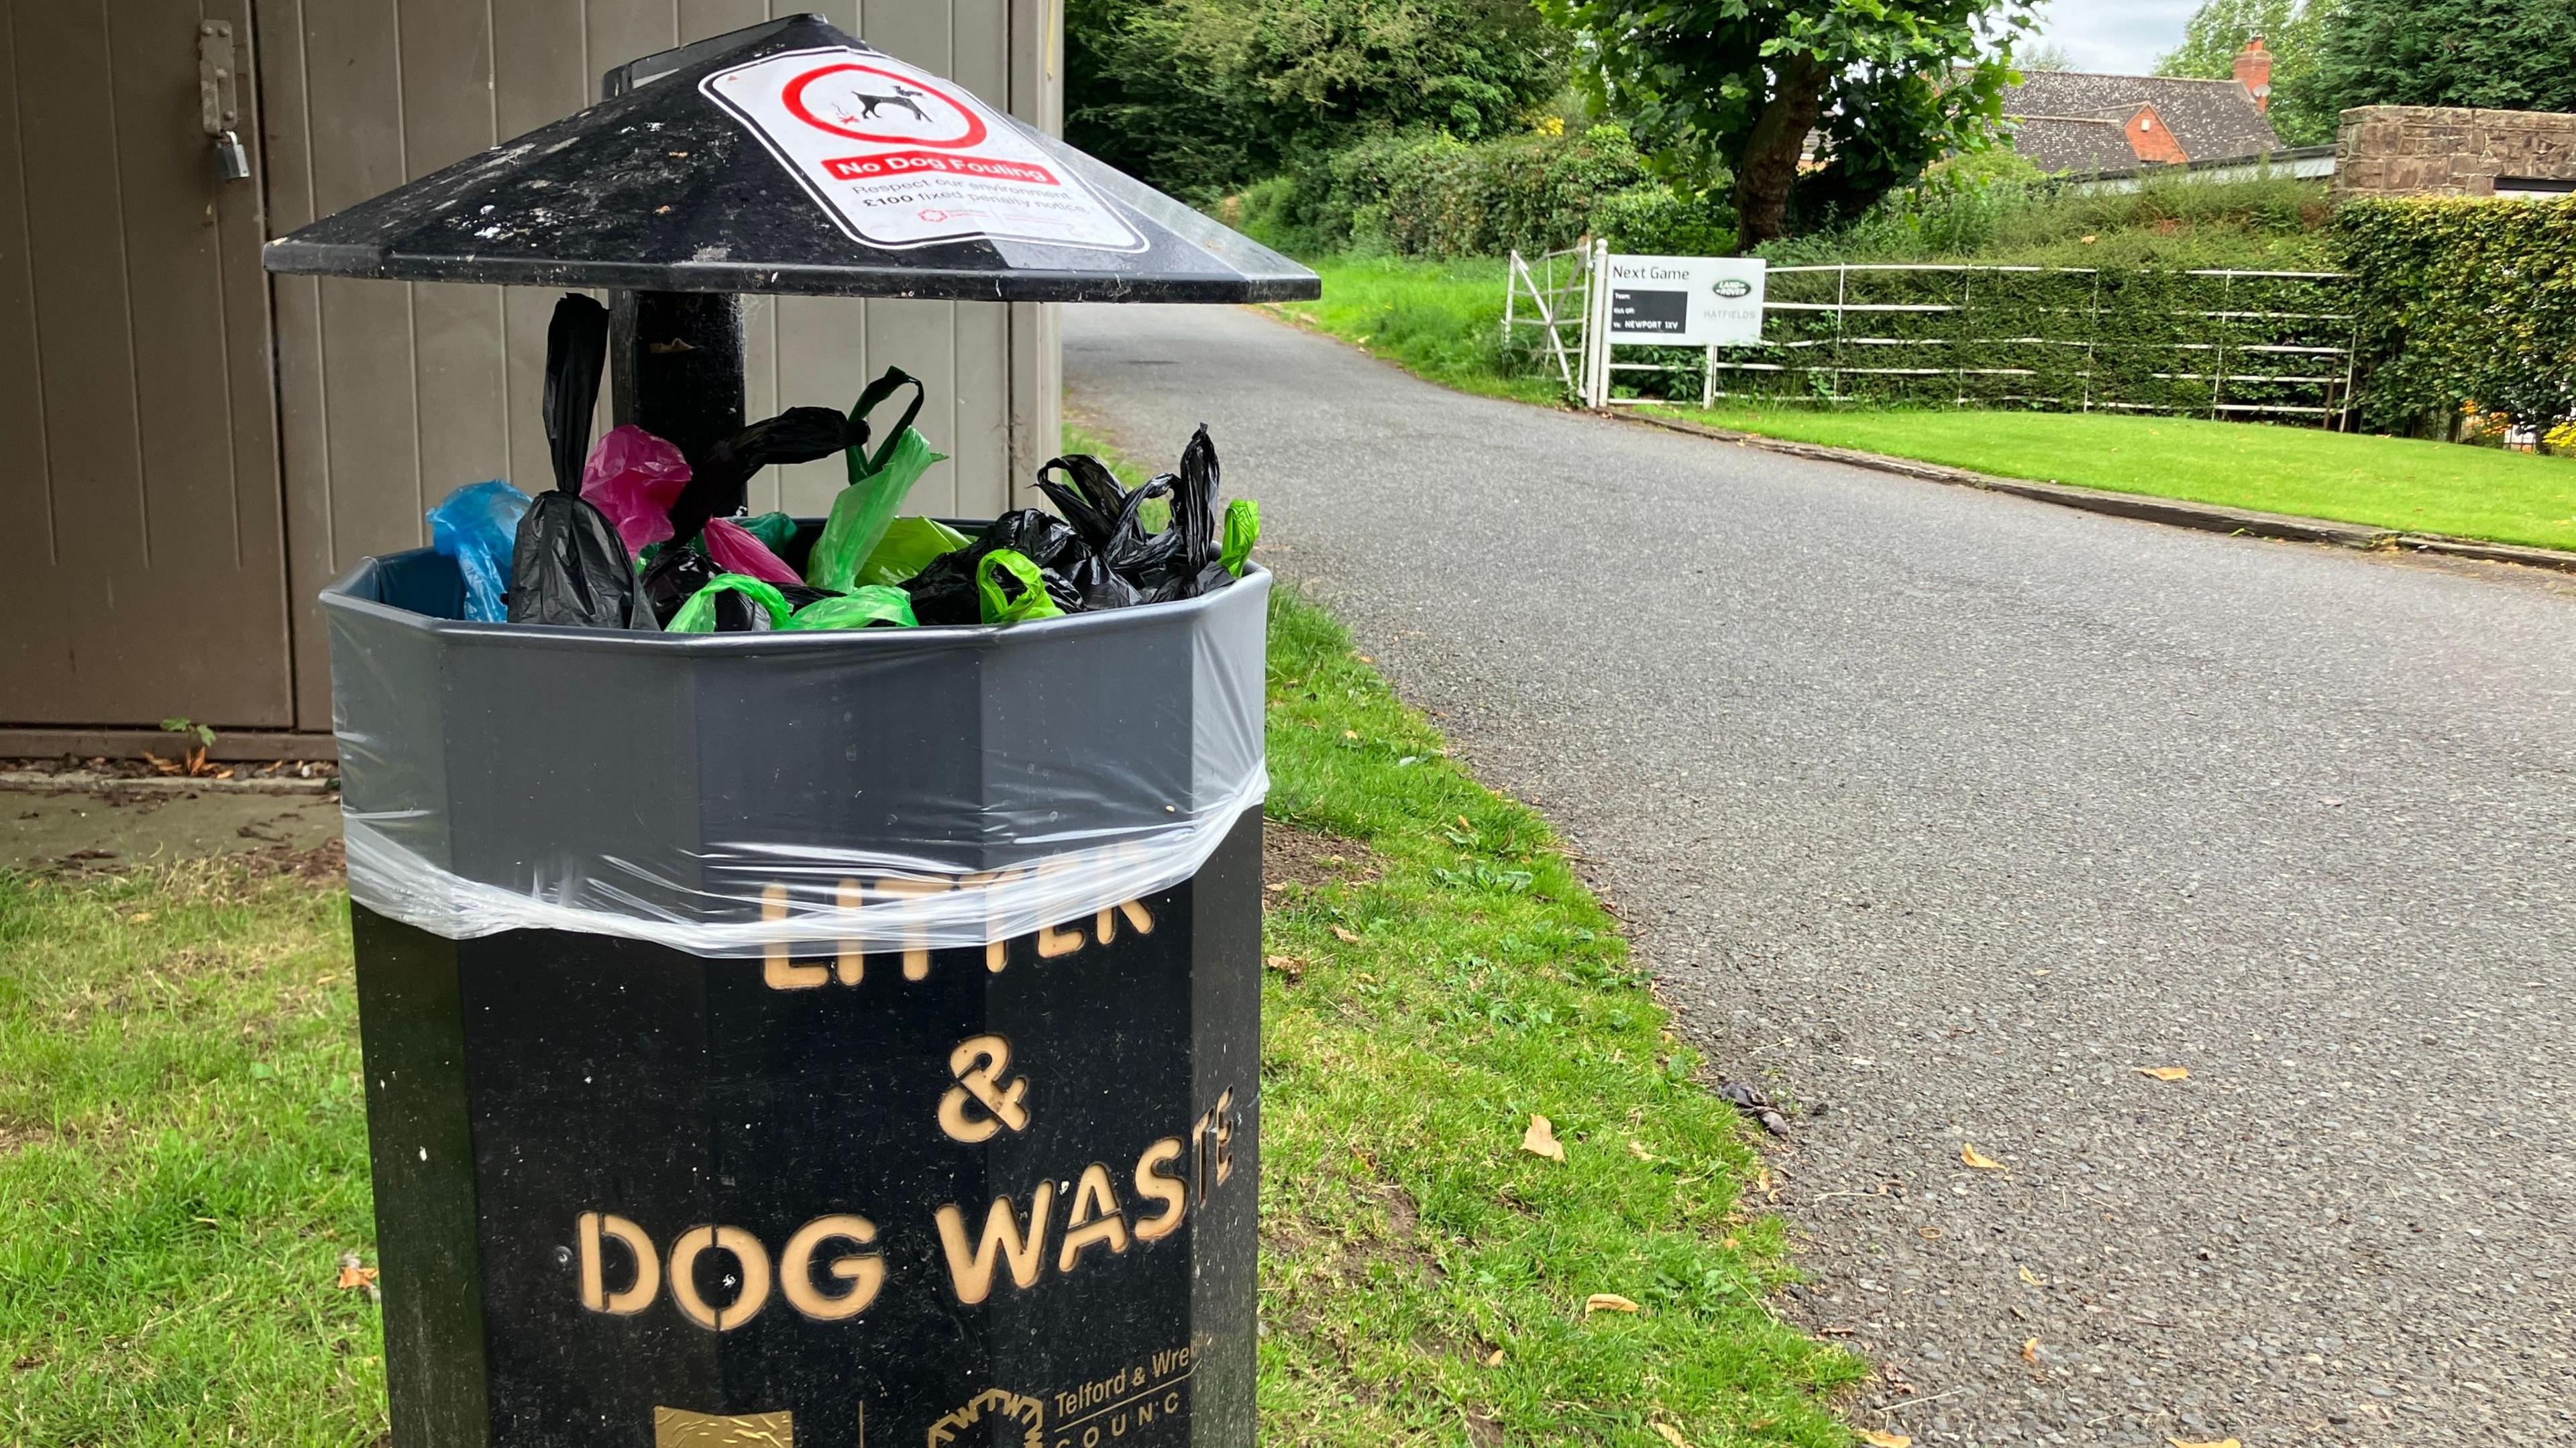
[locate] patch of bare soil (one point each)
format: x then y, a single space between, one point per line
1291 855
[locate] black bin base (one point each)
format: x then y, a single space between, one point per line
633 1198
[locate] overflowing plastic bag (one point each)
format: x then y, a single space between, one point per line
879 482
478 526
769 606
634 477
717 486
569 565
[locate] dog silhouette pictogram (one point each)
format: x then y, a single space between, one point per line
904 98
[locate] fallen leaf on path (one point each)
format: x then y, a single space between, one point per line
2166 1073
1540 1139
2032 1278
1881 1438
1979 1159
1607 1302
2212 1443
1672 1435
1346 935
2030 1351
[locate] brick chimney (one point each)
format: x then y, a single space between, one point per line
2254 72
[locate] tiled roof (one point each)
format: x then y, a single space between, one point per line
2211 120
2072 143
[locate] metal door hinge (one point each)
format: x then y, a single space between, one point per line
219 98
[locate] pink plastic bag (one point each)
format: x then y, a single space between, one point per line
736 551
634 477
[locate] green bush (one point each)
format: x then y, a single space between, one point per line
1429 194
2462 301
1988 213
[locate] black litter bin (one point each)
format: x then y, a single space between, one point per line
843 1038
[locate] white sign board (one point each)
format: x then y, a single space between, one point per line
901 158
1684 301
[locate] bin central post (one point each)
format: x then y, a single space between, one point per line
678 371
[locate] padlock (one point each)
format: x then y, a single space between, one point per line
230 157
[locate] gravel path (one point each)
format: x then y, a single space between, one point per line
1943 814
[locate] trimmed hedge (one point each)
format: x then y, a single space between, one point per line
2462 302
2051 340
1431 195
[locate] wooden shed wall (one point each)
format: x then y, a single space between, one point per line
391 394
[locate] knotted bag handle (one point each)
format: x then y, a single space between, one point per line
875 393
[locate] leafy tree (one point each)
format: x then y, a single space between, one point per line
1891 85
2050 56
2294 32
1201 96
2509 54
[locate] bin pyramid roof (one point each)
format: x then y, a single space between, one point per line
790 158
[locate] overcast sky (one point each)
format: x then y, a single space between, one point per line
2120 37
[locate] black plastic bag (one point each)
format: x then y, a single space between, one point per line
719 482
1192 565
944 592
720 478
568 565
1110 519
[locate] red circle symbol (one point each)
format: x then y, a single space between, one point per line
794 99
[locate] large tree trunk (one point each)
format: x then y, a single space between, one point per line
1769 165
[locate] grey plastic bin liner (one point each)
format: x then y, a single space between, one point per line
740 794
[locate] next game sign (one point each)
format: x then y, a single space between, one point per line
1684 301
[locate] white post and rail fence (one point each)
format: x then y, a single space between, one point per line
2212 343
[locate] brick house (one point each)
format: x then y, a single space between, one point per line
2074 121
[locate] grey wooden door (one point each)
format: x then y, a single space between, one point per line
393 394
139 499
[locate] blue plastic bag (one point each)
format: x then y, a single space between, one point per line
477 526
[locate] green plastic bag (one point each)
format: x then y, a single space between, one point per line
1242 530
859 608
774 530
878 483
698 615
1033 601
909 546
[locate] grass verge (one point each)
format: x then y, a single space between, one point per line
1442 321
1414 1022
1438 320
183 1141
2386 482
182 1162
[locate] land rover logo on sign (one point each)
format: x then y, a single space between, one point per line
900 158
1732 288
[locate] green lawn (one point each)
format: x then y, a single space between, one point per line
1442 321
2387 482
182 1142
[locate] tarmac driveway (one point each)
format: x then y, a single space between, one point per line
1945 814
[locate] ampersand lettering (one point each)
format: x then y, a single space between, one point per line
978 1064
